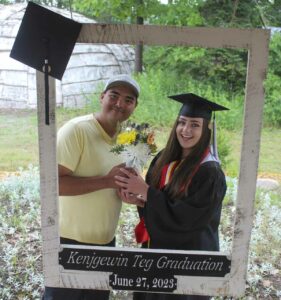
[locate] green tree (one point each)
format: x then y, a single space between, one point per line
116 11
229 13
224 67
275 54
179 13
272 109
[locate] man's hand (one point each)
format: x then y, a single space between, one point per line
110 177
70 185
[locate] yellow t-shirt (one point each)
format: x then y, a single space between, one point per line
84 147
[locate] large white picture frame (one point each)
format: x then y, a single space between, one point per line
232 283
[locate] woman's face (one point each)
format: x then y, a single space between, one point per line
189 131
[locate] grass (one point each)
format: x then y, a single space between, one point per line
18 139
269 152
19 145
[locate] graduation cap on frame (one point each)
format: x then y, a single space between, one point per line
45 42
197 107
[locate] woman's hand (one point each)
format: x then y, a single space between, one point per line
130 198
132 184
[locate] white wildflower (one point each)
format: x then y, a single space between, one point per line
136 156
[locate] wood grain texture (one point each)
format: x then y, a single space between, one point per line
256 42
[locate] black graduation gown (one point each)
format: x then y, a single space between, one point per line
190 223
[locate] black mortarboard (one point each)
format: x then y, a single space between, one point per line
45 34
45 41
196 107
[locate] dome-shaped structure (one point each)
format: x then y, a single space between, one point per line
89 66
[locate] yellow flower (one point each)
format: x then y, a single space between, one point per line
127 137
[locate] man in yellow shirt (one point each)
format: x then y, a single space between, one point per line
88 204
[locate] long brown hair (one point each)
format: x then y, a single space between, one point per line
178 188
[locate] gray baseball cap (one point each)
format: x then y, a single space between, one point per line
123 79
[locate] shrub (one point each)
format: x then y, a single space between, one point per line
272 107
20 256
20 239
156 108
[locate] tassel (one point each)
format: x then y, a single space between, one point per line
214 142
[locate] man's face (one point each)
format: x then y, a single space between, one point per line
118 103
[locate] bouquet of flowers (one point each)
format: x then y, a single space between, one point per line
136 144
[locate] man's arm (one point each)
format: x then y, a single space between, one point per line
70 185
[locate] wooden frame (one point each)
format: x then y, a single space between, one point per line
233 284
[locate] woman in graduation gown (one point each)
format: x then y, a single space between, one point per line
180 202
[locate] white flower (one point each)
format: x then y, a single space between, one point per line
136 156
